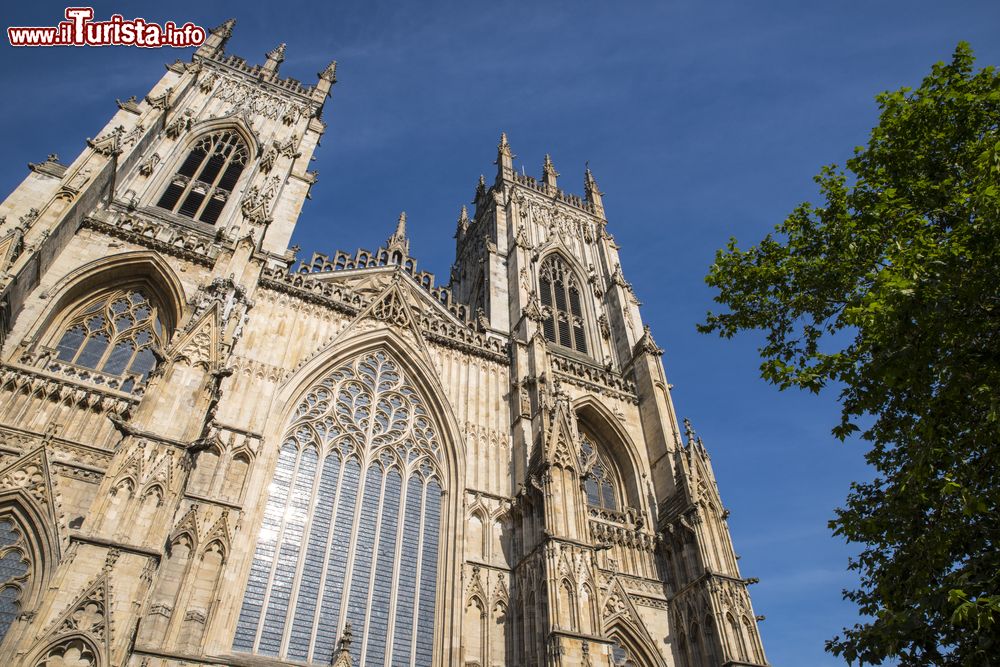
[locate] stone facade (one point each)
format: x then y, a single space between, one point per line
214 454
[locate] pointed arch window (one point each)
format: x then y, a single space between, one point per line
14 572
205 179
561 297
601 485
620 656
351 527
117 334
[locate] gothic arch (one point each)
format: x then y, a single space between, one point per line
144 271
640 648
76 649
420 374
34 540
178 153
234 123
595 417
557 252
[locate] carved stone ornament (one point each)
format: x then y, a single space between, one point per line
149 164
177 127
109 144
256 202
533 309
647 344
162 101
602 323
131 105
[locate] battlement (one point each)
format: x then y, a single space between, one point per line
366 259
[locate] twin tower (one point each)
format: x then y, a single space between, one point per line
214 454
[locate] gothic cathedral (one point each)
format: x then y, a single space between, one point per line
212 453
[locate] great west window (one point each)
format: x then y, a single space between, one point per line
351 527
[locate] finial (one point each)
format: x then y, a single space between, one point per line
548 167
330 73
345 638
224 29
278 54
503 147
397 244
592 192
689 431
463 221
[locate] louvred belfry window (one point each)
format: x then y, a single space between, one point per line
351 527
205 180
114 334
560 294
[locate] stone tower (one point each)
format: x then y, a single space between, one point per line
211 453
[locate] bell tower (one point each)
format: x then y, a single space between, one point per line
192 189
601 479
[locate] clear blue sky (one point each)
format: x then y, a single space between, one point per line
700 121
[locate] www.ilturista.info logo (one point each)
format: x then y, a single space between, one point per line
80 30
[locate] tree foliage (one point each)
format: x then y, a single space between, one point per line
889 291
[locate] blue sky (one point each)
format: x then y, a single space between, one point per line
700 121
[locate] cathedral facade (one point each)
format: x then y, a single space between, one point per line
213 453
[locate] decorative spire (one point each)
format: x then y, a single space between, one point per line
327 78
463 222
224 29
275 57
398 245
549 173
480 189
277 54
330 73
592 192
216 39
342 657
689 431
503 148
505 159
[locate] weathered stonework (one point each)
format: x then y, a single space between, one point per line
172 383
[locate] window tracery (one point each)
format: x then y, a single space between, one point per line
351 527
14 573
72 653
601 485
115 334
560 294
205 180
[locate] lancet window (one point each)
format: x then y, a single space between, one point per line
601 485
205 180
351 527
560 295
115 334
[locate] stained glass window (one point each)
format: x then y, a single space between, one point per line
351 527
13 574
114 334
205 179
560 294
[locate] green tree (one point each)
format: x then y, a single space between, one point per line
889 292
